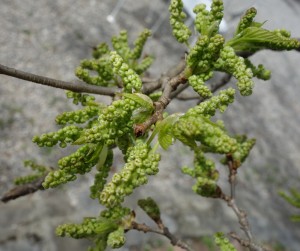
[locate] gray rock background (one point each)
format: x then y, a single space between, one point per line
51 37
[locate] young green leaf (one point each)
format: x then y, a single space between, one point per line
255 38
164 130
142 99
102 157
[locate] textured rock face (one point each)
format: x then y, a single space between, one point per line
51 37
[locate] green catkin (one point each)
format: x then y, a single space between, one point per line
243 150
87 69
197 82
58 177
223 243
150 207
140 163
206 175
77 117
113 123
235 65
203 55
139 44
180 31
143 65
90 227
79 162
116 213
100 50
260 71
189 129
39 171
207 22
120 44
27 179
116 239
131 80
83 99
209 107
63 136
246 20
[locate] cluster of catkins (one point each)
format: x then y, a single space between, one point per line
98 128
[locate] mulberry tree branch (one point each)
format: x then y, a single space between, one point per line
241 214
151 86
162 231
23 190
81 87
169 86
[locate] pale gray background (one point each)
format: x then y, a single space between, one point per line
51 37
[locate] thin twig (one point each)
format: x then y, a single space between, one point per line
184 97
223 81
151 86
252 246
169 86
241 214
82 87
232 166
179 90
165 232
23 190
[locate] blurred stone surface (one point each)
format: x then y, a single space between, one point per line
51 37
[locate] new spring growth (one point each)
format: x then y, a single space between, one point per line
139 44
113 123
223 243
209 107
180 31
190 129
150 208
100 66
39 171
251 37
90 227
64 136
83 99
116 239
132 56
101 69
97 128
131 81
207 22
103 167
293 198
120 44
205 174
231 63
79 162
140 162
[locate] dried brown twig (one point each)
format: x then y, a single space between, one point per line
23 190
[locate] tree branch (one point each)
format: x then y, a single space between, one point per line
241 214
164 231
23 190
169 86
151 86
82 87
